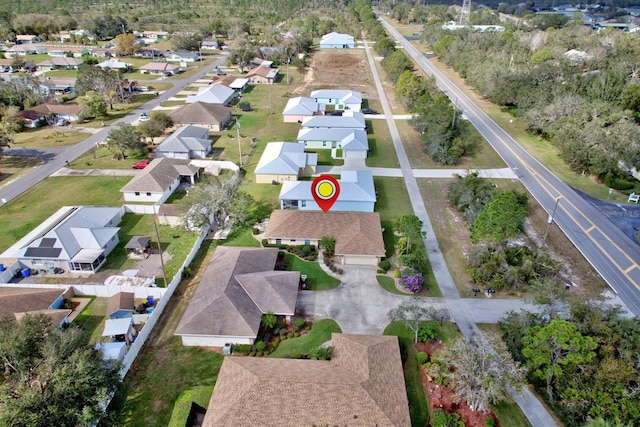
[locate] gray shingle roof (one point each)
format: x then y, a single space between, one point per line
200 112
185 140
159 175
285 158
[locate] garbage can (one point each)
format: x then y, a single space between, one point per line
2 267
150 300
26 272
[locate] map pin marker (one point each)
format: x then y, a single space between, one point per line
325 191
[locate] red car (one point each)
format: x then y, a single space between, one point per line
140 165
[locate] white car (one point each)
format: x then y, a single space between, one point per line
143 117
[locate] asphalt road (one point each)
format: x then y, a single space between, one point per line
613 255
55 159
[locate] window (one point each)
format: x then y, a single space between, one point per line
303 203
148 194
307 242
324 143
278 241
137 193
292 240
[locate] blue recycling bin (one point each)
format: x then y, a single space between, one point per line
2 267
150 300
26 272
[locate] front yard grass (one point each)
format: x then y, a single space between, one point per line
389 284
393 202
24 213
320 332
48 137
382 153
101 158
317 279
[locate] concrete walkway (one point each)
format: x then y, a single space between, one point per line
95 172
502 173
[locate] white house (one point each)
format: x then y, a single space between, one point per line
114 64
159 180
349 120
337 41
357 194
182 56
214 94
159 68
342 99
237 288
57 63
301 107
188 142
353 142
284 161
75 238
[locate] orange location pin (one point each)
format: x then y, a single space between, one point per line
325 191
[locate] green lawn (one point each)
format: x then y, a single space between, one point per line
101 158
92 319
149 387
320 332
48 137
389 284
393 202
241 236
200 395
382 154
317 279
324 157
24 213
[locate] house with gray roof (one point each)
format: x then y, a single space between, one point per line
357 194
301 107
337 41
214 94
352 142
284 161
159 180
348 120
159 68
237 288
65 63
358 235
209 116
342 99
362 385
75 238
188 142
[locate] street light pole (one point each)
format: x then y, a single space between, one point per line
549 221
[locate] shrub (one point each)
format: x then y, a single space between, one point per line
275 342
290 335
489 422
252 354
264 242
259 354
260 346
422 357
412 281
320 353
426 333
299 323
384 265
296 334
440 418
307 249
269 320
241 348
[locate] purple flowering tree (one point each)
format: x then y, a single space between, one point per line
412 281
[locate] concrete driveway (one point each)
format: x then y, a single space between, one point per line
359 304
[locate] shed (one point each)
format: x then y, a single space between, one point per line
120 330
112 350
121 305
138 247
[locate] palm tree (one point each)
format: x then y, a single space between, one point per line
328 244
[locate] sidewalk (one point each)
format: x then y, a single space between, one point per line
503 173
95 172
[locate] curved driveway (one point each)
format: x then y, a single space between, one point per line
614 256
54 159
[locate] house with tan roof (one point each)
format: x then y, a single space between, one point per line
159 180
358 235
188 142
263 75
60 63
362 385
301 107
75 238
357 194
237 288
284 161
159 68
16 302
121 305
50 111
209 116
233 82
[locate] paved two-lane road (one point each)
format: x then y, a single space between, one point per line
614 256
55 159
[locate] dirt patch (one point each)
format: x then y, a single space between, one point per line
330 69
442 397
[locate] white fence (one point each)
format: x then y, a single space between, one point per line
159 309
97 290
141 209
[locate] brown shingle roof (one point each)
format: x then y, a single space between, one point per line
52 107
238 286
23 300
362 385
159 175
356 233
121 300
200 112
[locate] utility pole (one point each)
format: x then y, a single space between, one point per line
549 221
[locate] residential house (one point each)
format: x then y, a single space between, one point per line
358 235
237 288
262 75
151 53
102 52
210 45
188 142
337 41
57 85
60 63
149 37
348 120
353 142
259 62
159 68
214 94
51 111
182 56
341 99
16 302
75 238
300 107
284 161
209 116
362 385
121 305
235 83
63 52
159 180
357 194
27 39
25 49
120 330
114 64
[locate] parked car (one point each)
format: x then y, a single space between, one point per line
167 74
143 117
369 111
140 165
62 122
220 72
144 89
6 69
